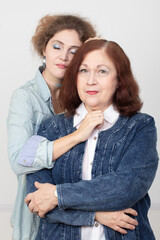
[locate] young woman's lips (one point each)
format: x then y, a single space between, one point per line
92 92
61 66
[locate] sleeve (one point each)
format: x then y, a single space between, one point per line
20 128
69 217
118 189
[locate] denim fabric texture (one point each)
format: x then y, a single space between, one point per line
124 168
30 104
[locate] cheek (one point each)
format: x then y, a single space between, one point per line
113 85
80 89
80 93
70 57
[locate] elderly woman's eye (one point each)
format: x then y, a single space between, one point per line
83 70
102 71
56 46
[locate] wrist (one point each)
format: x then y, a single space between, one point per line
55 196
55 193
77 138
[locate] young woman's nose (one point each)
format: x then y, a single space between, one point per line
64 55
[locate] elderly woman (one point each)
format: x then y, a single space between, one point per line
115 167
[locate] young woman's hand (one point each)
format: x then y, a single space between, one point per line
90 122
118 220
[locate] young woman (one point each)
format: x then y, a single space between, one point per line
56 40
114 168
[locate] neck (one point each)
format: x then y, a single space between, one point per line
53 83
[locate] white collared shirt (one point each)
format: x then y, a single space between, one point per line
110 117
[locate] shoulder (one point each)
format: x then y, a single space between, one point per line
141 123
55 125
24 94
24 90
53 121
142 119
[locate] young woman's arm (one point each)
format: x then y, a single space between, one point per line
29 152
21 126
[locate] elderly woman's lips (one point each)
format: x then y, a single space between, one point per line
92 92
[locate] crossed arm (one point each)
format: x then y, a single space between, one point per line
42 198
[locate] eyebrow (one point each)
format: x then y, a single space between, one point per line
64 43
100 65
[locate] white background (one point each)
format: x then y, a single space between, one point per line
134 24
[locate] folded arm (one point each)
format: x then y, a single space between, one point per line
120 189
41 199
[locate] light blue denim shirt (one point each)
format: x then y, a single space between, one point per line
30 104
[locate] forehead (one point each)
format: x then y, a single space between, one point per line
69 37
97 57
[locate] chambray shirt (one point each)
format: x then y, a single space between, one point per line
30 104
94 232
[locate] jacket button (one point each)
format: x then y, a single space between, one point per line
96 224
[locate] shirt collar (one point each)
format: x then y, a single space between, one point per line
42 86
110 114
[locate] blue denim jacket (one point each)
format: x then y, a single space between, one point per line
124 167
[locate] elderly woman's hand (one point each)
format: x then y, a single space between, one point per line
43 200
118 220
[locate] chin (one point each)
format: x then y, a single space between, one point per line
93 107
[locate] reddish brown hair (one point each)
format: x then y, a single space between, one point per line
51 24
126 98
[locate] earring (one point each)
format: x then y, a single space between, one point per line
44 62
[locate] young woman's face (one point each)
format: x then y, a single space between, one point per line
97 81
59 52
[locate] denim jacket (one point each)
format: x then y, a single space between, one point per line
124 168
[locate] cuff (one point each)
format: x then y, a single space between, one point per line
28 153
90 218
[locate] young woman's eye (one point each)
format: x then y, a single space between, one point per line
73 50
56 46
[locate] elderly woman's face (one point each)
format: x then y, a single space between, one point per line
97 81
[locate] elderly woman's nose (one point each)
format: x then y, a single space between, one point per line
91 78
